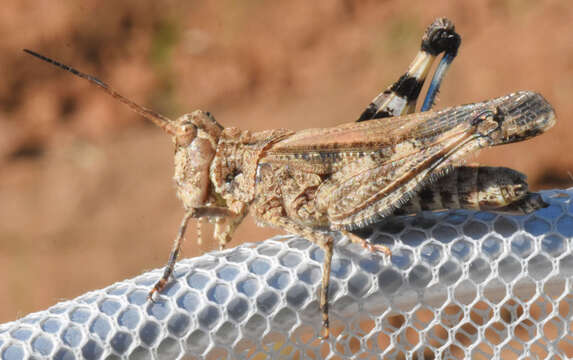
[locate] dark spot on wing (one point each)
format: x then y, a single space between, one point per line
523 136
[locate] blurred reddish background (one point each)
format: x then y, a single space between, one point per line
86 196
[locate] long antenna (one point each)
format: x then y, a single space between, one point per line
158 119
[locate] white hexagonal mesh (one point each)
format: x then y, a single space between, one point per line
459 284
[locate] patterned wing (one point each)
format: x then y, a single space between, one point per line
365 190
326 151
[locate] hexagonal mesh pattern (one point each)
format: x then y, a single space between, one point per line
459 284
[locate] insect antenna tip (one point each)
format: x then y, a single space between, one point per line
158 119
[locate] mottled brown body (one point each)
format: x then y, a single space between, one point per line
360 172
343 178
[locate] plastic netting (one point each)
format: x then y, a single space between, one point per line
459 284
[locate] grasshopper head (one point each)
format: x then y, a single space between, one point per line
515 117
197 124
195 136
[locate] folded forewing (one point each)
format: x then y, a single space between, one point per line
325 151
370 188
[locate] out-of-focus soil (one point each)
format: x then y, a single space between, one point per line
86 196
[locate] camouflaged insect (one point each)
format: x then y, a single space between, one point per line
346 177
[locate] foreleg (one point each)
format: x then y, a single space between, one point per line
198 212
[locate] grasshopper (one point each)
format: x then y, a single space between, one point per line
316 181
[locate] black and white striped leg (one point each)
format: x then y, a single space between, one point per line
400 98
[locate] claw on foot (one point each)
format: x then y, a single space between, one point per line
325 331
157 288
367 245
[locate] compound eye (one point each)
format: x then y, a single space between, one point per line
208 114
185 134
189 128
